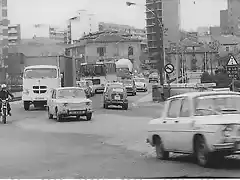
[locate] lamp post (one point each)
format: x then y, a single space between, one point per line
159 39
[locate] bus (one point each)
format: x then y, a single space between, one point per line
99 73
38 83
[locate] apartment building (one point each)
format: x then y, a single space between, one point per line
14 34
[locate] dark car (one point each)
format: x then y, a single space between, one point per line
115 95
130 86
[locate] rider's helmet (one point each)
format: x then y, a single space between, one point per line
3 86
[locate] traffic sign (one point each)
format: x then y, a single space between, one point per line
232 61
169 68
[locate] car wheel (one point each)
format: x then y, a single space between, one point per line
26 105
202 153
50 116
159 149
89 116
125 107
59 118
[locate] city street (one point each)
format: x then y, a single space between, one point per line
112 145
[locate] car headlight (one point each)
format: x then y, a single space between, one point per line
26 91
88 103
227 131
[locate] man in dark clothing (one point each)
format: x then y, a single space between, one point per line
4 94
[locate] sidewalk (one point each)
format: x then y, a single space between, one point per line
147 101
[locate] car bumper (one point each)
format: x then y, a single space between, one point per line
80 112
141 88
116 102
233 147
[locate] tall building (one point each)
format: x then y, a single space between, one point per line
224 21
168 13
234 17
58 34
4 38
14 34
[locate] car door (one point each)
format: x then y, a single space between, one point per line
184 132
170 125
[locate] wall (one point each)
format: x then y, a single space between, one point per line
234 16
113 51
224 21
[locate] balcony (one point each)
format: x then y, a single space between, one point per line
12 31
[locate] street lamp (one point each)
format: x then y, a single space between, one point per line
159 38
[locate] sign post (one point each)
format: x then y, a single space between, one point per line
232 69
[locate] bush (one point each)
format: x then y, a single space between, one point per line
206 78
222 80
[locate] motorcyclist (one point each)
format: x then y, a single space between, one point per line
4 94
88 90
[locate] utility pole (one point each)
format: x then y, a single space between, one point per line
159 40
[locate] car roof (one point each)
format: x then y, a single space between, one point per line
205 93
66 88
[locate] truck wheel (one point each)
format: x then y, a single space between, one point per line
89 116
26 105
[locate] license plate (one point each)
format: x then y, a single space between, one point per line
39 98
77 112
117 97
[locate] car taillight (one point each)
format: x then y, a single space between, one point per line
227 131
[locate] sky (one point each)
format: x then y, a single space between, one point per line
56 12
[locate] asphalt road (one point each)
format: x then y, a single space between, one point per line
112 145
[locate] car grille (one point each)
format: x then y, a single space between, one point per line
76 106
121 96
96 81
129 89
39 89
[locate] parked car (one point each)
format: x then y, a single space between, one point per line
69 101
153 77
205 124
130 86
141 84
117 96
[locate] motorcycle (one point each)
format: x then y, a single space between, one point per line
4 112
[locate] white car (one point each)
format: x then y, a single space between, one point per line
69 101
141 84
205 124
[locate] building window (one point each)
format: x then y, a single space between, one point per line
101 51
130 51
227 48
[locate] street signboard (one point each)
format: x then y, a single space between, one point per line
232 67
169 68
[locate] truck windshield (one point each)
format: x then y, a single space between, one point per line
40 73
93 70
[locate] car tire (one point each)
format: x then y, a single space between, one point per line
50 116
125 106
89 116
159 149
202 153
59 118
26 105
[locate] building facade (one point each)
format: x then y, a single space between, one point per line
3 38
234 17
168 13
58 34
14 34
224 21
135 32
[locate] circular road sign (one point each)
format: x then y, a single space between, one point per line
169 68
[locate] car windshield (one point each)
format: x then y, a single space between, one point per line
117 89
140 80
71 93
217 104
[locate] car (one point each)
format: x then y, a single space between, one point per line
205 124
130 86
69 101
82 84
141 84
153 77
115 95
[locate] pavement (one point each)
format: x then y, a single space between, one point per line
147 101
112 145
